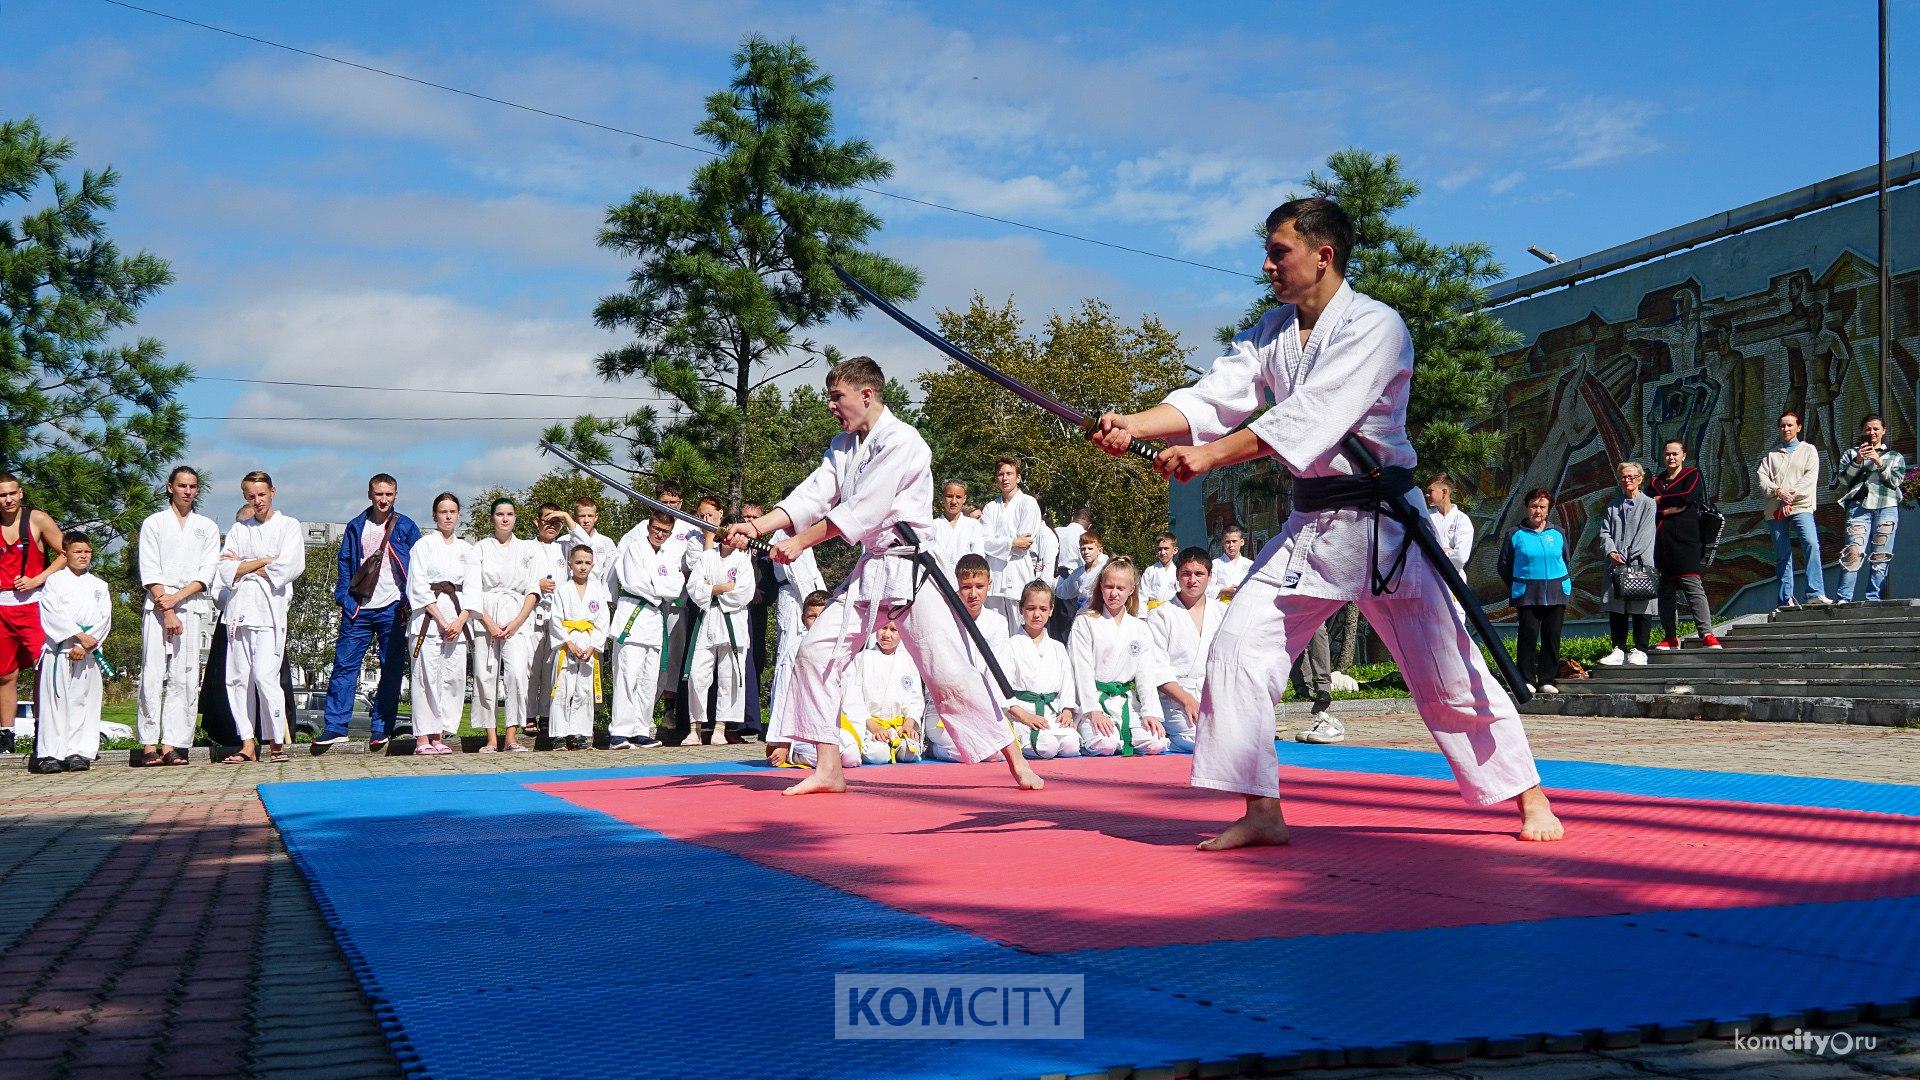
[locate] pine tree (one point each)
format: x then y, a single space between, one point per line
732 273
1440 290
90 426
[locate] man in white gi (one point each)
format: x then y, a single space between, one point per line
720 583
1231 568
263 556
875 475
1160 582
1333 363
1011 527
75 614
1450 523
1183 630
650 579
954 533
179 551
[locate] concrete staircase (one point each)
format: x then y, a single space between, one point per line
1843 664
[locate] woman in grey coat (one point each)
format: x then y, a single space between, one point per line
1626 536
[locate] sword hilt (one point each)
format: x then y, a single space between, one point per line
1140 448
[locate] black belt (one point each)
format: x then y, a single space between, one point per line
1383 491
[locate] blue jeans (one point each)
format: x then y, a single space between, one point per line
1869 540
388 627
1785 531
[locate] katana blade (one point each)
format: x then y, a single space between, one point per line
1040 399
759 546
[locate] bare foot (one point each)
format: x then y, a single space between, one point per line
1537 821
1025 777
1261 826
815 784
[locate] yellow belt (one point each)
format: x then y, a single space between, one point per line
560 660
896 727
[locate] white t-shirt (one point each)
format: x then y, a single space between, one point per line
373 541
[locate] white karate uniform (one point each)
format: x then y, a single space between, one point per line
1000 522
254 609
1455 530
578 616
885 687
1066 548
438 685
1158 585
499 579
1075 591
864 486
1183 654
172 553
551 563
941 745
1351 376
687 542
603 548
1041 666
1227 574
1116 650
651 583
798 580
953 538
719 669
67 703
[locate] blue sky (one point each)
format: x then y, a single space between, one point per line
334 226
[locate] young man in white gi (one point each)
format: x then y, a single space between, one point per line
1160 582
583 529
1011 527
973 581
1334 363
1076 589
263 556
875 474
648 574
720 583
955 533
76 612
1183 630
179 551
1231 567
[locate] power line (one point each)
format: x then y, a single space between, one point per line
431 389
617 130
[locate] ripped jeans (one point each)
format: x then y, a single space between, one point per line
1869 541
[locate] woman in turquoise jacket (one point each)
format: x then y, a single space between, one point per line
1534 564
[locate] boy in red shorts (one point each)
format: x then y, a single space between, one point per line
30 552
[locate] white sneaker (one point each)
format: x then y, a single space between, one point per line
1549 688
1614 659
1324 730
1637 657
1532 689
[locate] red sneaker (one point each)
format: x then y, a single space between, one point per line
1710 641
1669 645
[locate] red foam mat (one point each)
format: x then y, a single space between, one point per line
1104 856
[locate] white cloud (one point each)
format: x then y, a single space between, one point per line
1595 131
1507 183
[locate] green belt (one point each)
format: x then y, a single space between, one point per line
666 631
100 657
1042 704
1123 691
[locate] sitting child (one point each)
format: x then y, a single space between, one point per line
1042 678
1116 670
883 701
779 739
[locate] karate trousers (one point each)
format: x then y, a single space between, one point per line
169 678
67 707
1467 711
500 673
932 637
638 673
439 686
254 656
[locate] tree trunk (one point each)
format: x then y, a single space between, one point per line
1349 635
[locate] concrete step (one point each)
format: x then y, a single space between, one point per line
1878 712
1861 611
1693 667
1742 685
1834 634
1773 652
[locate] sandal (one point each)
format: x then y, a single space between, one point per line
238 757
516 748
149 758
488 750
173 757
424 750
278 755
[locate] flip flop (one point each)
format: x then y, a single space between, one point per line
149 758
238 757
278 755
173 757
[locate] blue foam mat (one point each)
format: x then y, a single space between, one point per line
476 911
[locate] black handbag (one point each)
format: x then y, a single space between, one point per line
1635 581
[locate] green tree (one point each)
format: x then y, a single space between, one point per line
1440 290
1085 358
313 618
560 487
734 272
89 426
